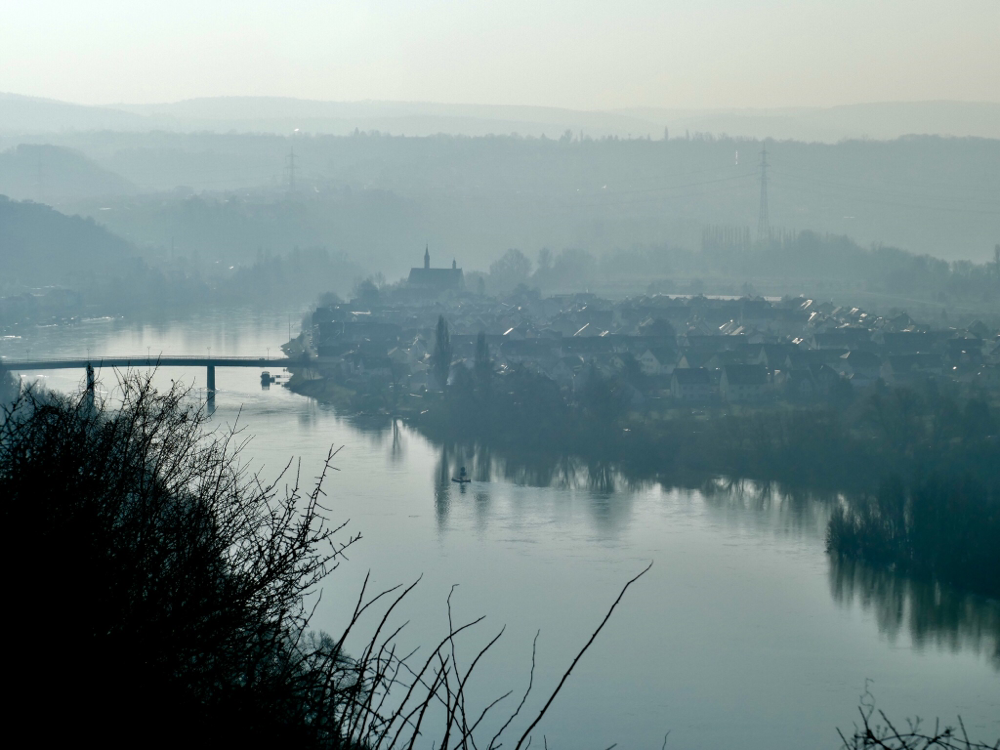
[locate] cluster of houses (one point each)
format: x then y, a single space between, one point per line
685 349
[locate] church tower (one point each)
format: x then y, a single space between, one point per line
433 281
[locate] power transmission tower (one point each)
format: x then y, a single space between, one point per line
290 161
763 223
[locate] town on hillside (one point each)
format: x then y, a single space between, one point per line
668 350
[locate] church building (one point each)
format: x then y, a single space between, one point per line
435 280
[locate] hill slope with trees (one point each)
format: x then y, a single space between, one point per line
40 246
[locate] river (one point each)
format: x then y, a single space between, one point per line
743 634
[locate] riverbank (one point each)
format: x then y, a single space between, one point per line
847 446
848 451
324 390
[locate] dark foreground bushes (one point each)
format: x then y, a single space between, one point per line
158 590
945 527
880 733
157 595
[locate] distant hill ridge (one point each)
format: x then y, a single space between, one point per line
28 114
52 174
22 115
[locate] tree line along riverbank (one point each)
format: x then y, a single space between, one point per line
916 469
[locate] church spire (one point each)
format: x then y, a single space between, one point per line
427 256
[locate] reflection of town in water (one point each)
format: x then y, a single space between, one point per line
600 480
931 614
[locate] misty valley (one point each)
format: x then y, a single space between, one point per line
455 426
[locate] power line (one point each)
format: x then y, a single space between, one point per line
909 181
731 178
647 199
808 176
886 192
678 173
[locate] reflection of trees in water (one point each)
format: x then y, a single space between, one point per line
377 428
309 415
601 477
609 490
482 461
788 508
482 510
397 451
930 613
442 488
449 463
560 472
792 508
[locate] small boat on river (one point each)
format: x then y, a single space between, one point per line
462 477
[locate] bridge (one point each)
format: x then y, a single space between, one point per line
210 363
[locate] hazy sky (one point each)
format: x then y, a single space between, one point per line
571 53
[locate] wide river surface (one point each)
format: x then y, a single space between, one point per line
743 634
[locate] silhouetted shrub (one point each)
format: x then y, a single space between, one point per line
157 594
161 587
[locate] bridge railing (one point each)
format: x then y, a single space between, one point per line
152 360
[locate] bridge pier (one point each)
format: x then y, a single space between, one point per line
211 379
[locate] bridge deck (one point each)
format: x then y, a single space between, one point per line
144 361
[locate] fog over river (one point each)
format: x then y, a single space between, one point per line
744 633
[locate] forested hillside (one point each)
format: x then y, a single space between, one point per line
51 174
473 198
40 246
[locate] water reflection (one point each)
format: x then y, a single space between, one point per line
610 489
397 453
442 489
482 515
309 417
607 491
788 508
559 472
931 614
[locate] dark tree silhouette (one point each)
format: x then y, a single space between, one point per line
880 733
510 270
602 397
9 386
441 359
166 585
160 589
483 366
